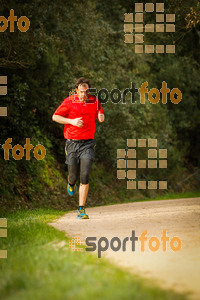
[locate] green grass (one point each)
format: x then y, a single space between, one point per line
36 268
177 196
170 196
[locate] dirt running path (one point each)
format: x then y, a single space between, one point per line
179 271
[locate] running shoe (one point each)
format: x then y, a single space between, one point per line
71 189
81 214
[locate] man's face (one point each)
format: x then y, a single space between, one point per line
82 91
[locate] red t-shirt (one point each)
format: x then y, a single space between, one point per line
72 108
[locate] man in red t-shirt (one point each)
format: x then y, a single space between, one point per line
78 113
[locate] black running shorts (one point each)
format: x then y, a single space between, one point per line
79 149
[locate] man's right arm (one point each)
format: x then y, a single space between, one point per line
62 111
62 120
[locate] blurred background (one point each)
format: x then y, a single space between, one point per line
70 39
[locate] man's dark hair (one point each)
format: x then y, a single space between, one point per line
82 80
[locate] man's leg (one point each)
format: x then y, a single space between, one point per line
73 174
85 166
83 191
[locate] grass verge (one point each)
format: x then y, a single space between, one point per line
40 265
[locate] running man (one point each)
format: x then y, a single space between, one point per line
78 112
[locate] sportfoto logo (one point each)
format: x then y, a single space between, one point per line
3 92
18 150
116 244
3 234
135 22
128 164
23 22
154 95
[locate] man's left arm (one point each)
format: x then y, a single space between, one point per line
99 114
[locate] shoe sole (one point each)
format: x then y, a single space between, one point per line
71 194
84 217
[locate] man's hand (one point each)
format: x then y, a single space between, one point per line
77 122
100 117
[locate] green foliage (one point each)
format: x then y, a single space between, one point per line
67 40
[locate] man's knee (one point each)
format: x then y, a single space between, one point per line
72 174
84 177
72 178
85 170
